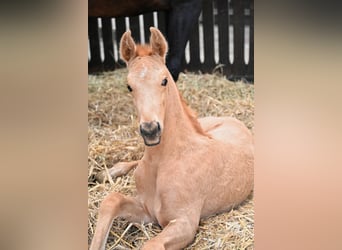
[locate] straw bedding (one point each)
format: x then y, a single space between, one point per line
113 137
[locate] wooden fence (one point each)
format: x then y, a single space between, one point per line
222 40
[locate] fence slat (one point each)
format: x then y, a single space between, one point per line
223 32
250 68
195 61
221 13
238 22
135 28
95 63
108 63
208 34
148 22
120 29
162 20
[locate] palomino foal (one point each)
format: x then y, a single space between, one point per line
190 169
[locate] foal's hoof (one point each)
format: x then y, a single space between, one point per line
100 176
114 172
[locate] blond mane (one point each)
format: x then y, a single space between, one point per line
192 117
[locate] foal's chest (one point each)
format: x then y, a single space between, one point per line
145 181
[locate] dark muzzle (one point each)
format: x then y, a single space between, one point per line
150 131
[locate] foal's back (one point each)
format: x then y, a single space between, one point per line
227 130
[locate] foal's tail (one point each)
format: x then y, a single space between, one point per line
119 169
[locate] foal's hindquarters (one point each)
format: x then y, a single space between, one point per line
233 166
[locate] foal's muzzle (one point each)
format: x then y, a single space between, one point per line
151 132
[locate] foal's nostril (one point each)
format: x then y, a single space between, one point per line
141 129
158 126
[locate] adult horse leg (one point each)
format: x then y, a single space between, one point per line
113 206
181 19
119 169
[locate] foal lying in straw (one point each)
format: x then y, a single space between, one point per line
190 169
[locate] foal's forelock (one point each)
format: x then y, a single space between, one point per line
147 68
143 50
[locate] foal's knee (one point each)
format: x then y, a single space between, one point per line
189 228
111 203
153 245
181 233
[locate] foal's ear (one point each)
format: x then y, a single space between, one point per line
158 43
127 46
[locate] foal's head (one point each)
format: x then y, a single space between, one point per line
148 80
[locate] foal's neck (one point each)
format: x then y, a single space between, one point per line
181 127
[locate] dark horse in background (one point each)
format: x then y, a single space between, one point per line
181 18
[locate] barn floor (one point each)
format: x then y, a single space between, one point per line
113 137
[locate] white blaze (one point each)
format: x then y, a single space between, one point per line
143 72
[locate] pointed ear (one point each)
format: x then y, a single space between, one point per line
158 43
127 46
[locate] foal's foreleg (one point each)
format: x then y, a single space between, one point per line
119 169
113 206
176 235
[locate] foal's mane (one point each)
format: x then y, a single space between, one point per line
192 117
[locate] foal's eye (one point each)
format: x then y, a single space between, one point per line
164 82
129 88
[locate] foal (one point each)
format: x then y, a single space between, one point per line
190 169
